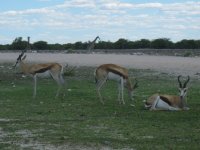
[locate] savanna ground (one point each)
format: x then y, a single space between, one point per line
80 121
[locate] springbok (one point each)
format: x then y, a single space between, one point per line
114 72
54 70
169 102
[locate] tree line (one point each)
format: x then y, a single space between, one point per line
161 43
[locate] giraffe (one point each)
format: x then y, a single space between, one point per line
28 46
92 44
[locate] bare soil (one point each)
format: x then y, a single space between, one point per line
166 64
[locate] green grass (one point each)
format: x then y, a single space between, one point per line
80 118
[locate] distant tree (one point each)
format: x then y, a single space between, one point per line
79 45
3 47
85 45
18 44
197 43
186 44
161 43
40 45
121 44
104 45
68 46
143 43
56 46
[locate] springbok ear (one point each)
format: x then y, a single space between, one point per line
24 57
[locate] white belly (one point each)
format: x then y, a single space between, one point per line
45 74
113 76
162 105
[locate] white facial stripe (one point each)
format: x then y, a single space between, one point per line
183 91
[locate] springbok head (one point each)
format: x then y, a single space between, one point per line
131 87
183 91
135 84
182 87
20 58
98 38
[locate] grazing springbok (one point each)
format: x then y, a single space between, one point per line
114 72
54 70
169 102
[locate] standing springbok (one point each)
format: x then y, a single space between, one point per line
114 72
55 70
169 102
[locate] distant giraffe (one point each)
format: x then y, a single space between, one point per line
92 44
28 46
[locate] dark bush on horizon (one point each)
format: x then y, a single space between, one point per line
161 43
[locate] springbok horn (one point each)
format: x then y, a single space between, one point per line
19 57
180 84
186 82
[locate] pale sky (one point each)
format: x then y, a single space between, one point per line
69 21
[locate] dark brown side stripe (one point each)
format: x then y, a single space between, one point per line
43 69
116 72
166 100
147 103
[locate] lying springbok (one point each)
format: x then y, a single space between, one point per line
114 72
169 102
54 70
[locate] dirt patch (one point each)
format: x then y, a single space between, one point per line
27 142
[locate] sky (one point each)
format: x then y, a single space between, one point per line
69 21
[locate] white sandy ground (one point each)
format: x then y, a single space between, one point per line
166 64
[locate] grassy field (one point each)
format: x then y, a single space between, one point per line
80 121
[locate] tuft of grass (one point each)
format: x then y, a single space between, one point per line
80 119
187 54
